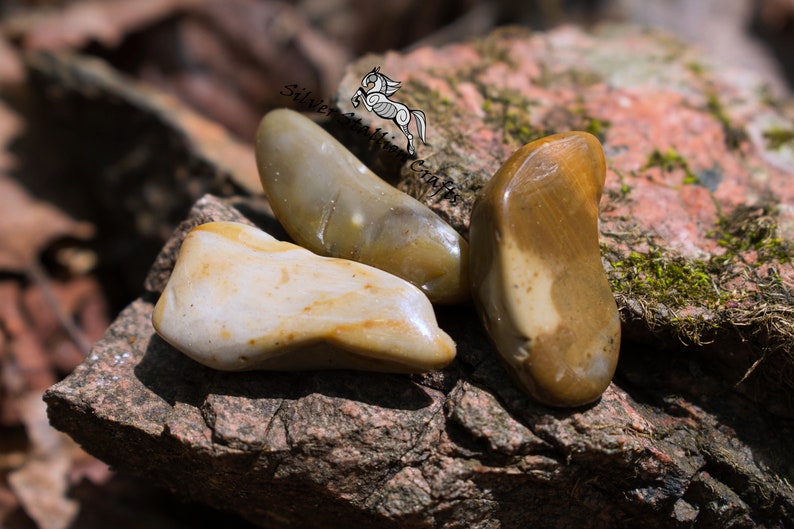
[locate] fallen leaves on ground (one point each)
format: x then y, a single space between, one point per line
228 61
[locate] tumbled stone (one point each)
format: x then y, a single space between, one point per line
537 276
329 202
697 216
238 299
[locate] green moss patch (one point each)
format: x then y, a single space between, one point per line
673 282
671 160
778 137
753 229
738 292
734 136
510 112
672 292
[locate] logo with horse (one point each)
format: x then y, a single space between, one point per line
376 99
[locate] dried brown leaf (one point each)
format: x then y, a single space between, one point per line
42 483
11 70
28 226
270 30
78 23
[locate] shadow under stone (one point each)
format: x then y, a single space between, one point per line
176 378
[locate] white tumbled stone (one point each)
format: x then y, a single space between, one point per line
238 299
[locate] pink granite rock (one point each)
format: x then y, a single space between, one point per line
697 218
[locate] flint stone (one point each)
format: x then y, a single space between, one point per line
462 447
697 216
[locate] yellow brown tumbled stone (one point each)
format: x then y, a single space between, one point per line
537 277
332 204
238 299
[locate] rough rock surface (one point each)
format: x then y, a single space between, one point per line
670 444
457 448
697 218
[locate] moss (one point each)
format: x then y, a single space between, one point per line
417 95
493 50
734 136
777 137
597 127
670 161
674 282
674 294
767 97
691 179
752 229
693 299
624 190
678 282
510 112
697 68
554 78
582 120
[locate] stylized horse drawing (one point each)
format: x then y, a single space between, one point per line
377 100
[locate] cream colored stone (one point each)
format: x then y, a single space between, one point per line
238 299
536 270
330 203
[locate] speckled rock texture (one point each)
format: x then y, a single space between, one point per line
670 444
697 218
